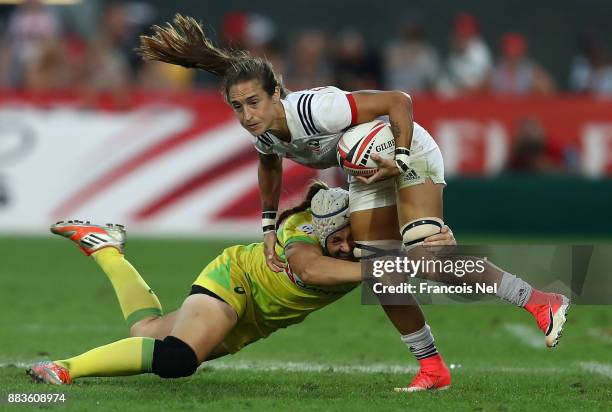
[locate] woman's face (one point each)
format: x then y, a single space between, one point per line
253 107
340 244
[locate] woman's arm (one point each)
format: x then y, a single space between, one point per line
270 176
398 106
307 262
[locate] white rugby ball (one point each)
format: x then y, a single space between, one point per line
357 144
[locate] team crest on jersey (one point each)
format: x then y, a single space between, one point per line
315 146
306 228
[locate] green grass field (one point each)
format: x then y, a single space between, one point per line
56 303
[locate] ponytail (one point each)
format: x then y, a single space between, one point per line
185 44
314 187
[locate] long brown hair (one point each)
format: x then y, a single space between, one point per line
314 187
185 44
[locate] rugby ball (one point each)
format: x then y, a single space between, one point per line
358 143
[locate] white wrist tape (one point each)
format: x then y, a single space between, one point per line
402 159
268 221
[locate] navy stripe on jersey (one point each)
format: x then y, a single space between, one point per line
301 114
305 113
268 138
265 139
309 117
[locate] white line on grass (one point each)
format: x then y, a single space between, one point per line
604 369
264 366
271 366
297 367
527 335
309 367
20 365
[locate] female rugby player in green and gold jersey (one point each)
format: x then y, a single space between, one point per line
223 314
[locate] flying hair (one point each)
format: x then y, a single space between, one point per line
184 43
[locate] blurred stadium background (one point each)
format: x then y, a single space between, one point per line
518 95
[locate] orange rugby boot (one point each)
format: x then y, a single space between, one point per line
49 372
91 238
550 312
433 375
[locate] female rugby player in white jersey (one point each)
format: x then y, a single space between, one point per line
306 126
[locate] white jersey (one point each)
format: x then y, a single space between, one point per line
316 119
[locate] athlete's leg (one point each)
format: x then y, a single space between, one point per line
136 298
374 222
374 217
420 212
419 203
200 326
376 225
203 322
548 309
105 245
139 304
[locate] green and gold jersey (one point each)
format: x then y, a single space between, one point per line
264 300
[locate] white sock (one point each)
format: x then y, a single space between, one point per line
421 343
514 290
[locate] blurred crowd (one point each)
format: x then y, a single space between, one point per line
41 51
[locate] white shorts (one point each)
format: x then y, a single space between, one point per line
384 193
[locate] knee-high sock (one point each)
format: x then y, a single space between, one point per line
514 290
136 298
131 356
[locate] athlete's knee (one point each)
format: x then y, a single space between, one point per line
173 358
416 231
